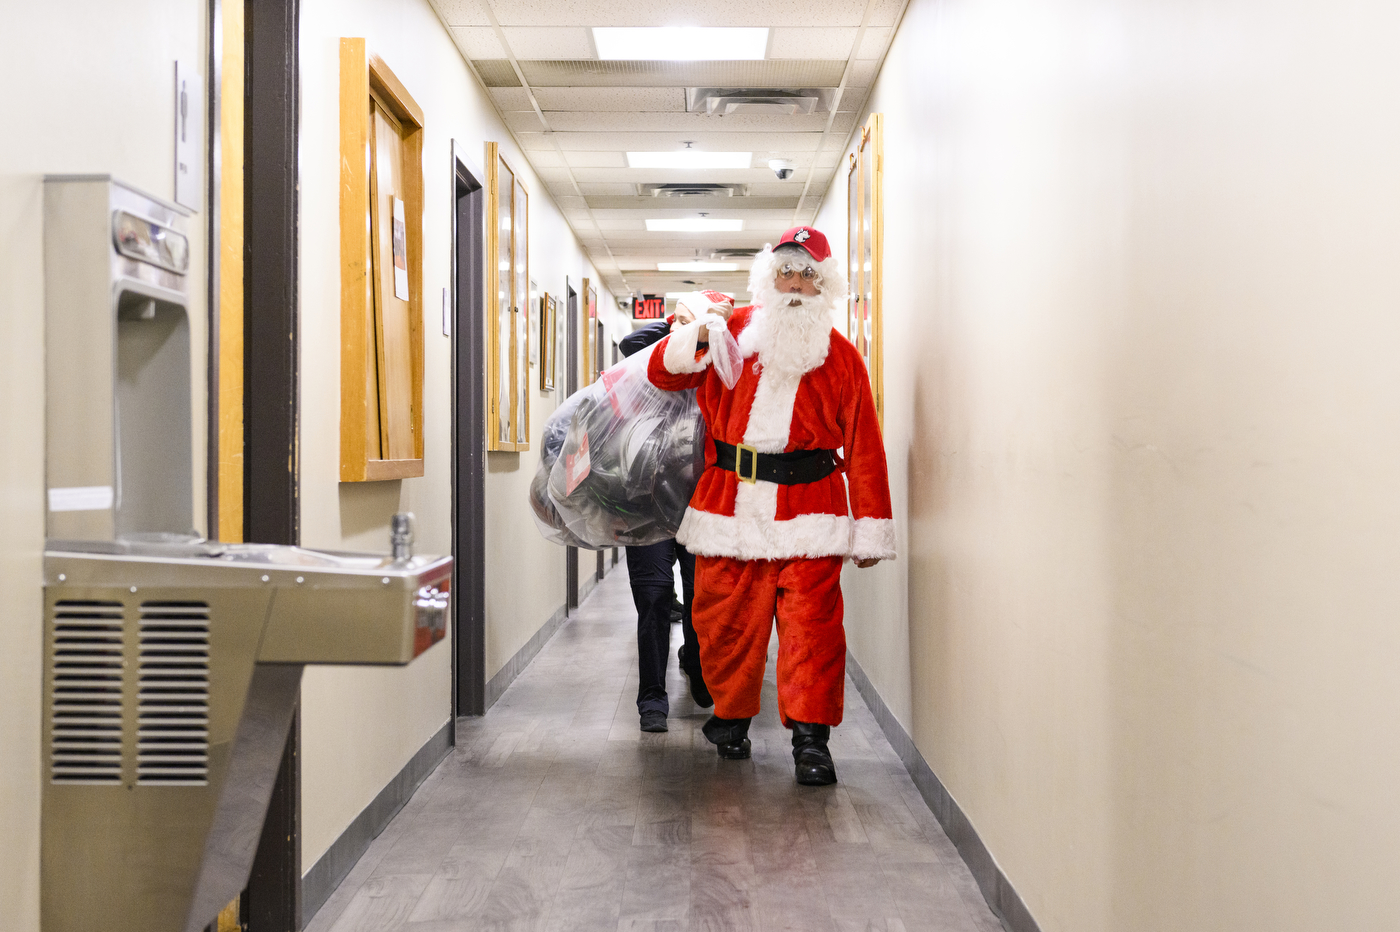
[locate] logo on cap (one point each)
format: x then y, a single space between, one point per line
802 235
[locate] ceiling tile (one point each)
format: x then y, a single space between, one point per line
522 121
809 43
863 73
510 98
611 99
877 38
553 43
579 159
691 12
715 142
687 125
462 12
496 72
477 42
683 73
887 12
608 190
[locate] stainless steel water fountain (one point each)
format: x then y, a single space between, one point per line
172 663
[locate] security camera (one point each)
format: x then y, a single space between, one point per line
782 168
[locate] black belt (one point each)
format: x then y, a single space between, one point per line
793 468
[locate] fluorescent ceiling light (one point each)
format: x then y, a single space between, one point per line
697 266
680 43
695 225
689 158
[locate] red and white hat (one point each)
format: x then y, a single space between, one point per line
718 298
810 239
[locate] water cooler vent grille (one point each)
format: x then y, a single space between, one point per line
87 692
172 739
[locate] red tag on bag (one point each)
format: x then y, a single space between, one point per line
576 467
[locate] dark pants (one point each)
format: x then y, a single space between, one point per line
653 588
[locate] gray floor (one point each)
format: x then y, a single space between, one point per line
555 812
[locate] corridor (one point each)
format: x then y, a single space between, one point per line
554 812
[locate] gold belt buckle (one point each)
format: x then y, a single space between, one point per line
739 450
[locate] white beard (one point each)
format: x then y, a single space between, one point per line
791 333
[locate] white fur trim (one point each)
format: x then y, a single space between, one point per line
873 539
770 417
750 538
679 357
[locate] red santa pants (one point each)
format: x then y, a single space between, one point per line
735 604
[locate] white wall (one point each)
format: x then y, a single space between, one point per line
93 92
361 725
1141 331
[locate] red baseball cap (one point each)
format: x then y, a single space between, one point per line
809 239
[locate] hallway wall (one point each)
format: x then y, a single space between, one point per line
96 95
360 724
1141 329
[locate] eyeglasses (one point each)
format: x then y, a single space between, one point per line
788 270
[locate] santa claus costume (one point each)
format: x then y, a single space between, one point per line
795 483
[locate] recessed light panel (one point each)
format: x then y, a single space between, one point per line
694 225
689 158
697 266
680 43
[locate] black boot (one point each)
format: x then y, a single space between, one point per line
809 753
730 736
698 690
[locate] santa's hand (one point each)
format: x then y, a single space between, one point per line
867 563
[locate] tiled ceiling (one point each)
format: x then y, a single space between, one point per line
576 118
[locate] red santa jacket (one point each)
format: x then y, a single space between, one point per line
829 407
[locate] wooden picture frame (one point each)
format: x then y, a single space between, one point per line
381 331
865 223
507 305
549 324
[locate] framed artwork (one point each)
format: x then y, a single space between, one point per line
865 254
590 364
381 274
507 306
549 326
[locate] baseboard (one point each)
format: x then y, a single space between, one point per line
330 869
516 665
996 888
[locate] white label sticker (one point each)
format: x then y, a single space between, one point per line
400 246
81 498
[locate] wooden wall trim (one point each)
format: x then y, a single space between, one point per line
363 74
229 426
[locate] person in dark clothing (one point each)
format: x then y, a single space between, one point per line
653 584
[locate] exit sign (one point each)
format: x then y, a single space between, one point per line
649 307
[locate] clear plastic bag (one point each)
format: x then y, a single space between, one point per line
620 460
725 355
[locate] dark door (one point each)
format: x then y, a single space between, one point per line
468 443
571 367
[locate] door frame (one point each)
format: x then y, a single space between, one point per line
571 380
468 320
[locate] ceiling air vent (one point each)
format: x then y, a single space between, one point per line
87 692
775 101
172 738
733 253
693 189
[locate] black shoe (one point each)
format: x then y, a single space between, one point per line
654 721
809 753
730 736
677 612
698 690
